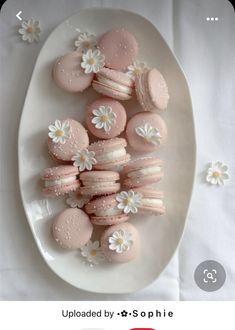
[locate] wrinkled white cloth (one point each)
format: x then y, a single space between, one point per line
206 51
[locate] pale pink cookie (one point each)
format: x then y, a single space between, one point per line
151 201
143 171
104 211
73 136
146 132
119 47
152 91
59 180
115 84
120 243
109 153
97 183
69 75
72 229
106 118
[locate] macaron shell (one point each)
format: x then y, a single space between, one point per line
109 221
94 190
116 76
78 140
148 193
101 203
119 47
110 92
142 181
113 256
158 89
142 163
60 190
58 172
101 146
114 164
137 142
69 75
72 229
117 128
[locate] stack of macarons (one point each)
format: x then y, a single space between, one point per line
102 184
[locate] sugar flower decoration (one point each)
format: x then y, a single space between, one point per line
92 252
60 132
84 159
76 199
149 133
104 117
129 201
120 241
136 69
217 173
92 61
85 41
30 30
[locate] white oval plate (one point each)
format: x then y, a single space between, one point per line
45 103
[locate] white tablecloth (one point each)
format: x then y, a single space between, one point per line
206 51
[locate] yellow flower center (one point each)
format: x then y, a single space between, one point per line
128 201
86 44
83 158
137 71
104 118
59 132
29 29
91 61
216 174
119 241
93 253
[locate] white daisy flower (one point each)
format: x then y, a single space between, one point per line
85 41
217 173
120 241
104 117
92 61
84 160
60 132
92 252
129 201
76 199
30 30
149 133
136 69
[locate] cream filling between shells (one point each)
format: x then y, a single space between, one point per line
59 182
108 212
145 171
118 87
110 156
151 202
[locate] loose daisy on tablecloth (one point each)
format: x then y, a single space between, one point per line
136 69
92 61
60 131
84 160
129 201
85 41
92 252
30 31
217 173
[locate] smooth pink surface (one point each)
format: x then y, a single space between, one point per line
72 229
103 147
126 256
69 75
117 108
152 91
78 140
119 47
137 142
97 183
150 194
138 179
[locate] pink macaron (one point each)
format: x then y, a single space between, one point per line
72 229
69 75
109 153
97 183
152 91
120 243
114 84
65 139
119 47
106 118
151 201
143 171
104 211
59 180
146 131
